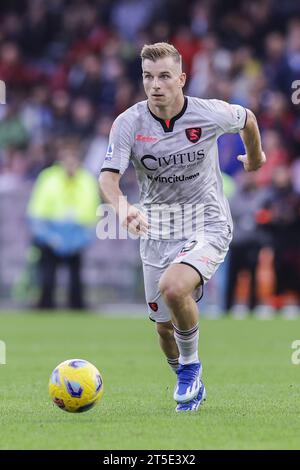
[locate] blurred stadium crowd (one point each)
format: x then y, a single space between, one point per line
70 67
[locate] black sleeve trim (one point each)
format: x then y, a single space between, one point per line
113 170
245 119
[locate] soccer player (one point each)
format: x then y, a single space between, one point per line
184 221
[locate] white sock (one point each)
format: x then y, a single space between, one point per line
173 363
187 342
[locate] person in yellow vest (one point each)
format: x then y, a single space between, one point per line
62 218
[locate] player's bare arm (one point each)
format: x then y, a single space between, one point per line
131 218
255 157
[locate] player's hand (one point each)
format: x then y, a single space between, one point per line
252 164
135 222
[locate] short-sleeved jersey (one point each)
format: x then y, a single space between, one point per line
176 161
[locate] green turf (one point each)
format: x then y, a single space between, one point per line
253 388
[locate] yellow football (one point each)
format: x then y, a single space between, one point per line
75 385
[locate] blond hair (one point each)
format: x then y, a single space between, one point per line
159 50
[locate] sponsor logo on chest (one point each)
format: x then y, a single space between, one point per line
152 163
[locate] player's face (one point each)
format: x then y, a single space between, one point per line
163 81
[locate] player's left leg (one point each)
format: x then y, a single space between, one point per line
199 260
168 344
177 285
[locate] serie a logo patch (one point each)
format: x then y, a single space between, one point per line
109 153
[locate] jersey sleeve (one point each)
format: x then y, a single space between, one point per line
228 118
119 147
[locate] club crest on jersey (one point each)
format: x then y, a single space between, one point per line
153 306
193 134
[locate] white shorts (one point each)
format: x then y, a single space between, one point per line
204 255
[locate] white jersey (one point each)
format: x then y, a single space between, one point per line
176 162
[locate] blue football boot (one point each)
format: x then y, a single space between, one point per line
188 382
194 404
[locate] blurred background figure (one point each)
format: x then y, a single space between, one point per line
280 217
213 303
246 243
96 150
62 215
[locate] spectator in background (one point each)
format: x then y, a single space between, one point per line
129 16
85 79
278 115
12 130
62 214
275 44
246 242
295 175
278 155
98 146
208 63
61 119
13 71
280 216
36 116
290 69
82 118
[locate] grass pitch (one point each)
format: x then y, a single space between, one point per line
253 389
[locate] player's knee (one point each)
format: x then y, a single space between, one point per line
172 291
